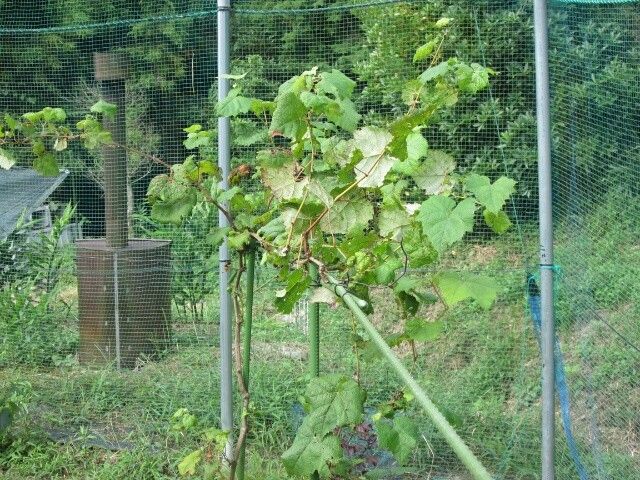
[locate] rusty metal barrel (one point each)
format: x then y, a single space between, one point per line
124 297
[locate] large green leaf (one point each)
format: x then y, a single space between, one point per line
347 116
234 104
444 222
334 400
432 174
458 286
286 182
336 83
399 436
405 125
46 165
171 200
491 195
311 452
436 71
376 162
289 117
347 215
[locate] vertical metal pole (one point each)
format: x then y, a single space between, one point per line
224 158
543 112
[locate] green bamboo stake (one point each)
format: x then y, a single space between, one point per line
314 327
314 334
461 449
246 341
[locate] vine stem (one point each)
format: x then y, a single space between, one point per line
240 379
464 453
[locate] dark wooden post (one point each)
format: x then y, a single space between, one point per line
110 72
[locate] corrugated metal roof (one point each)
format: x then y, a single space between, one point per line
22 190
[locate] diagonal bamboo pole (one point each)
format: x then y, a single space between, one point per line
466 456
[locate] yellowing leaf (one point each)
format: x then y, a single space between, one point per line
6 160
189 464
347 215
376 162
286 182
432 174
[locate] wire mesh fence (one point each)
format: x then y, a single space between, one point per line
112 340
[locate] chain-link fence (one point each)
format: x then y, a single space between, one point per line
104 341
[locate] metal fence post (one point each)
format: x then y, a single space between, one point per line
224 156
543 112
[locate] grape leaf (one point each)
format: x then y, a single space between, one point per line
311 452
425 50
6 160
458 286
434 171
375 163
399 436
392 222
171 201
421 330
386 271
46 165
404 126
435 72
417 145
444 222
289 117
297 283
336 83
499 222
286 182
472 78
189 464
105 108
347 116
347 215
233 104
491 195
334 400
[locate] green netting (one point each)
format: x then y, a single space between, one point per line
90 422
595 84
